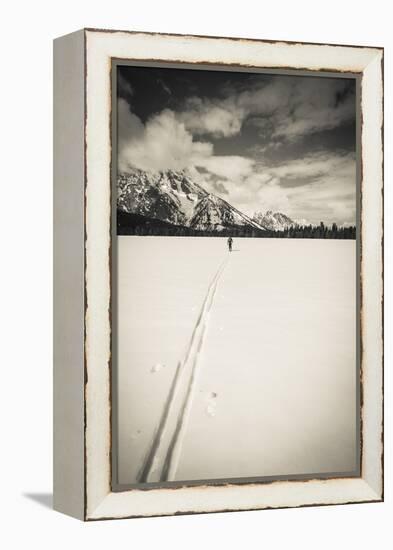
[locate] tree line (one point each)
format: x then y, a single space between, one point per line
320 231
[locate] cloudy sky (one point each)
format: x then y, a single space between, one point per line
261 142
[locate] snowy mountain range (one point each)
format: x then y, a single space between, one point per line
174 198
275 221
173 203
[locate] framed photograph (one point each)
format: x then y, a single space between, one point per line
218 274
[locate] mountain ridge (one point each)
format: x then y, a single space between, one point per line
174 197
275 221
171 202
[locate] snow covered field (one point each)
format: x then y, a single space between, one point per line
235 365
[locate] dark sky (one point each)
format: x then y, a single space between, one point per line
260 141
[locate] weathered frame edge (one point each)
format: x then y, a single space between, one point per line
378 497
68 270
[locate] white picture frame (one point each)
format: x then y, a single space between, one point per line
82 261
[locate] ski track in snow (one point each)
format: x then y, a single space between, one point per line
163 456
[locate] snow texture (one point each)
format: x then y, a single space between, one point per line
276 221
259 348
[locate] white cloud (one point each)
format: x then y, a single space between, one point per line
217 118
319 187
162 143
228 166
293 107
283 108
129 126
257 191
317 165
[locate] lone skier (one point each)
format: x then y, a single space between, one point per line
230 241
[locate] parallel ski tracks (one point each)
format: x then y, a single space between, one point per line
162 459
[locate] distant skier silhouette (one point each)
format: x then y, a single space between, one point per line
230 241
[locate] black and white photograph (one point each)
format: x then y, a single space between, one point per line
236 341
197 207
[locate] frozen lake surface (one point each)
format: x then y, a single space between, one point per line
235 365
